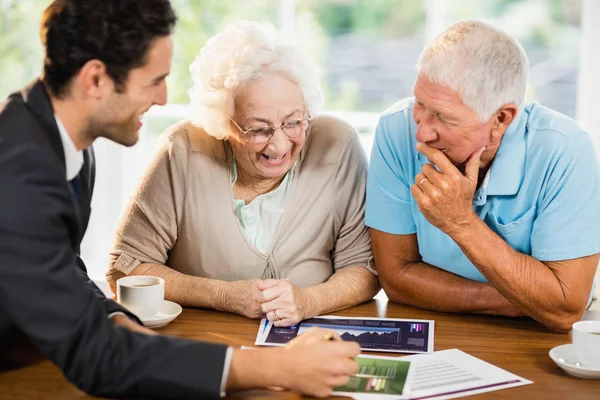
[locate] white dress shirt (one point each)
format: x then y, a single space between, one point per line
73 157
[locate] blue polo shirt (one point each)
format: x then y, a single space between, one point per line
541 197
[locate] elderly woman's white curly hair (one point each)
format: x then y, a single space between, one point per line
242 52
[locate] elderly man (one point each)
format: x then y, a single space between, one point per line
477 202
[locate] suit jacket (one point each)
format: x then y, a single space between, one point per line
47 302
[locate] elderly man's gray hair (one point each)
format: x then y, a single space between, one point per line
242 52
484 65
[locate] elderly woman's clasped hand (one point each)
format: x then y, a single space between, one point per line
279 300
284 303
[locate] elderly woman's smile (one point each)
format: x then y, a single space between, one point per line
274 160
266 106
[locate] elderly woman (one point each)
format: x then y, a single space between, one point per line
479 203
257 205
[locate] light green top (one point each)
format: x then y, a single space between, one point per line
261 217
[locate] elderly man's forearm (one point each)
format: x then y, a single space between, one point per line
524 280
425 286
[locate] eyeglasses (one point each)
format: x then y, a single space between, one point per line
262 134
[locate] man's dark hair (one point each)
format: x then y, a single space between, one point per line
116 32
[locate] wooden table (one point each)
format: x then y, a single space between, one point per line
519 346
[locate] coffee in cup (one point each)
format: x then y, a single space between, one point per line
142 295
586 340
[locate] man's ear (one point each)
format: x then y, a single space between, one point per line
505 116
501 121
93 80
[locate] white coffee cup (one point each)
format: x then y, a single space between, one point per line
142 295
586 340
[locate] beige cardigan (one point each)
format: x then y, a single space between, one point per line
183 214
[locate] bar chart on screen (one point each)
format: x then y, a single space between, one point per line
374 334
360 334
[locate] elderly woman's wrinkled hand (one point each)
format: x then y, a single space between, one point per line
245 297
445 195
284 304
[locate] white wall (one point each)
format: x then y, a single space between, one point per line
589 70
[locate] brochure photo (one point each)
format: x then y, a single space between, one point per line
373 334
379 378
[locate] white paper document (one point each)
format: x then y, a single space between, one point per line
448 374
445 374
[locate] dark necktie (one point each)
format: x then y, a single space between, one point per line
76 185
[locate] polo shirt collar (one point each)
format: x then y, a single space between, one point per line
507 169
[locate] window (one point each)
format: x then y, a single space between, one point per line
366 49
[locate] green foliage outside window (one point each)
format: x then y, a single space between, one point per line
318 23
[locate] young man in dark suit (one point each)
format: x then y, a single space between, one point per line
105 65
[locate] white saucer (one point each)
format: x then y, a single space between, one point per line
564 357
167 312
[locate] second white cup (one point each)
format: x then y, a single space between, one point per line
142 295
586 340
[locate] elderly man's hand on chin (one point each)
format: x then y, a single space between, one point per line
445 197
